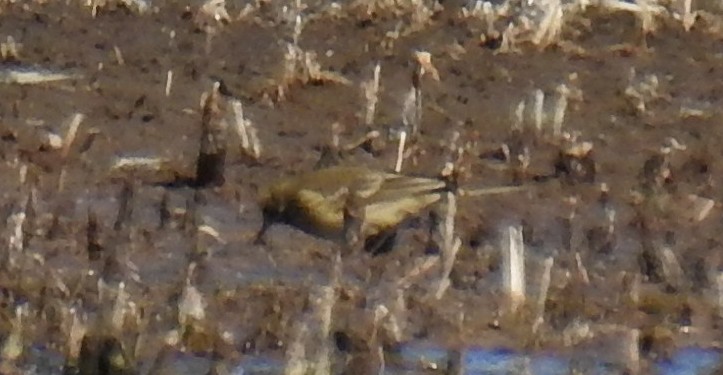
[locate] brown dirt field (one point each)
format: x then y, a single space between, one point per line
258 298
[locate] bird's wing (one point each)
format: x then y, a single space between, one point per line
388 214
399 198
324 210
398 186
366 185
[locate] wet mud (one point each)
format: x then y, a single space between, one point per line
130 265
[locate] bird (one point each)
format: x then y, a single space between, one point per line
354 205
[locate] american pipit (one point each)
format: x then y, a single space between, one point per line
352 205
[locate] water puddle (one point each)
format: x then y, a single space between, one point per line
480 361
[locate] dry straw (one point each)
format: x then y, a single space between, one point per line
513 253
719 286
250 143
542 295
450 245
370 90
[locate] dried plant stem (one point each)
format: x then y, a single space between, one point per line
519 119
12 347
449 221
719 282
325 299
382 363
419 269
120 309
514 267
409 110
542 296
211 161
131 163
296 363
417 81
61 179
31 76
371 94
400 151
76 330
549 29
632 344
192 305
413 105
645 11
688 17
16 240
491 190
581 269
125 205
9 49
118 55
250 144
450 247
22 173
92 236
298 27
672 270
208 46
71 131
310 351
560 109
336 136
169 82
538 114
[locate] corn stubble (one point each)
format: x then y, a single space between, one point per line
356 206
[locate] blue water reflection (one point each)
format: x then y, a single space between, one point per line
480 361
414 358
692 361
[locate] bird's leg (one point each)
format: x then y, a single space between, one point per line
260 236
353 223
433 219
381 243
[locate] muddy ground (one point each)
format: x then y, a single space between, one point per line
636 244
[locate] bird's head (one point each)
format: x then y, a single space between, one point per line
272 201
274 198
